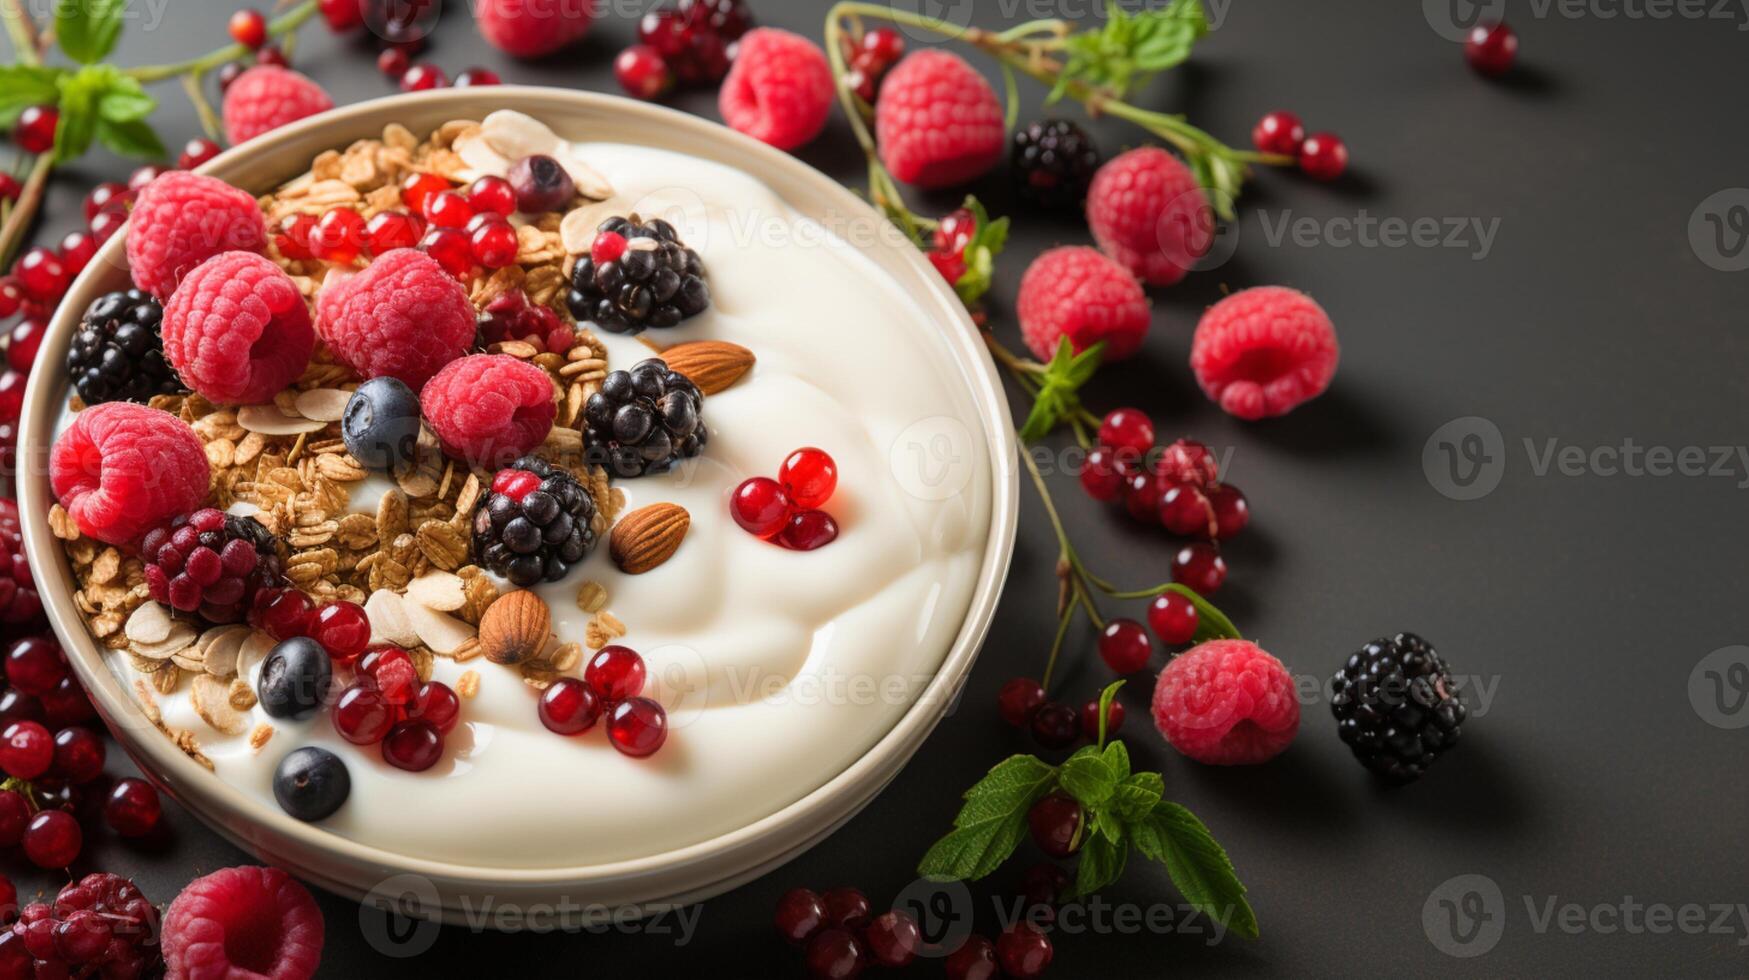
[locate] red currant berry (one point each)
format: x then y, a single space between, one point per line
883 47
388 230
341 15
975 959
272 55
846 907
637 727
809 476
413 745
42 274
1232 513
761 506
249 28
393 62
1043 885
833 954
35 665
77 250
808 530
955 231
481 219
14 815
106 195
133 808
9 187
893 939
1055 725
362 716
422 77
26 337
198 151
106 224
416 188
1279 132
494 245
26 749
451 249
1185 510
477 76
228 73
643 72
1090 719
1491 49
1024 951
1127 429
951 265
78 756
338 236
287 614
67 704
492 194
515 484
1323 156
11 395
52 839
1141 497
1018 699
391 670
1174 619
34 132
1055 822
1199 567
15 705
607 247
343 629
615 673
568 707
436 702
447 209
1124 646
1099 475
11 296
800 914
1187 461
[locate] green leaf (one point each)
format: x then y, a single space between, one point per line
1129 49
988 237
130 139
125 101
22 86
1117 759
1135 797
1105 698
88 29
1088 777
991 823
1199 867
1057 398
1211 623
78 107
1101 863
1107 822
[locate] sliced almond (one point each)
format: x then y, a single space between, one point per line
181 637
149 624
388 619
254 650
323 404
441 591
270 421
212 701
443 633
222 653
515 135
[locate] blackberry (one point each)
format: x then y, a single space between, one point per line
1396 706
1054 160
535 524
118 354
210 562
643 420
637 275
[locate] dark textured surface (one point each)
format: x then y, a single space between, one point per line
1582 603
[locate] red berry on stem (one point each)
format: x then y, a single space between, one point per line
1127 429
1124 646
24 340
1018 699
413 745
1024 951
761 506
342 628
615 673
52 839
9 187
341 15
133 808
800 913
955 231
1491 48
106 224
476 76
451 249
11 296
1100 476
421 77
14 815
1174 619
1114 713
1055 725
198 151
388 230
1323 156
637 727
34 132
67 704
568 707
1186 510
975 959
883 46
272 55
1232 512
392 63
643 72
249 28
11 395
809 476
26 749
1200 568
1141 497
145 175
287 614
1054 822
228 73
1187 461
1279 132
35 665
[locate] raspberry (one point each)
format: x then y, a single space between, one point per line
1262 351
121 468
403 317
938 121
489 408
267 97
1147 212
244 921
180 220
532 28
1075 292
19 601
237 330
1227 702
779 89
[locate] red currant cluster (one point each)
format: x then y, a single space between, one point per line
691 42
386 703
787 510
397 66
871 55
100 925
465 227
952 235
1021 702
839 934
510 316
612 684
1321 156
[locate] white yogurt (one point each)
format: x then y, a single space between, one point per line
779 669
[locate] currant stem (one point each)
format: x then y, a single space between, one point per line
290 21
209 120
22 30
24 211
1057 646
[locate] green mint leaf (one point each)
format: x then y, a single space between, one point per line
1088 778
1135 797
992 822
1199 867
88 29
1041 420
1129 49
22 86
1211 623
1101 863
1105 698
970 853
134 138
78 107
1117 758
1062 378
1012 784
125 101
1108 824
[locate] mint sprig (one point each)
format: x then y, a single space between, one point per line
1058 384
87 30
992 822
1131 48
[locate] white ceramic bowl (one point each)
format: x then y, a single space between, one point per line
681 876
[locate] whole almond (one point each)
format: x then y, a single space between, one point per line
515 627
713 365
647 537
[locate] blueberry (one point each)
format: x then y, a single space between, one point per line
311 783
541 184
294 678
381 423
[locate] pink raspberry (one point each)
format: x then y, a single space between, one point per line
403 317
1147 212
1227 703
1262 351
532 28
938 121
237 330
121 468
180 220
489 409
779 89
243 922
267 97
1075 292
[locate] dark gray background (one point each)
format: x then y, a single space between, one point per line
1584 602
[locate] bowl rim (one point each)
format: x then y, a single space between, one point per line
164 763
